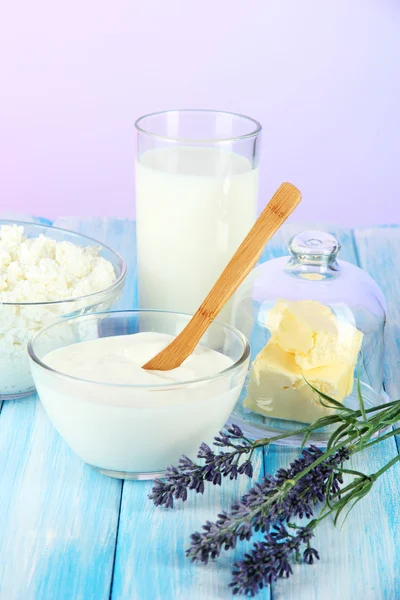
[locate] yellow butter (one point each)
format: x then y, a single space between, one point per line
308 344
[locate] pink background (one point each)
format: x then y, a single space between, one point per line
323 77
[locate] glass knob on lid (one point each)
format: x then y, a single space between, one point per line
313 255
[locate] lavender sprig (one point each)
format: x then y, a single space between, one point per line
272 504
271 559
191 476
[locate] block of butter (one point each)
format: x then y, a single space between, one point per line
308 342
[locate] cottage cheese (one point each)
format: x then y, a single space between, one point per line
37 270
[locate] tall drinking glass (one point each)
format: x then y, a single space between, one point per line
196 199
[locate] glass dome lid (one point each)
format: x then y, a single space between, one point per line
311 319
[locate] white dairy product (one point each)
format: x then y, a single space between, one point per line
39 270
194 206
113 423
119 360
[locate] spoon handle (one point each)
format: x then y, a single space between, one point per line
281 205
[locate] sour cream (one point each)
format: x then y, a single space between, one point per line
127 421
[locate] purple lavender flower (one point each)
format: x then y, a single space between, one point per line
271 559
272 506
191 476
269 503
309 555
268 507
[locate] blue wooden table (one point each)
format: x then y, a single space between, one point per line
68 533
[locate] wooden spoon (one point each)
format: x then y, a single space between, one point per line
281 205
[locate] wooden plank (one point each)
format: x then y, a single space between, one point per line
58 518
361 559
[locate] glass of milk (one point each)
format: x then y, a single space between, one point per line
196 199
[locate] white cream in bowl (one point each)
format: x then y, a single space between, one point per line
125 420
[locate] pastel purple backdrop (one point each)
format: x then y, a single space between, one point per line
322 77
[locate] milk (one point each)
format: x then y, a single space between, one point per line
194 206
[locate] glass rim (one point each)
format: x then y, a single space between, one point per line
119 280
257 127
245 345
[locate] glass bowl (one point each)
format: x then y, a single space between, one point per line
136 431
19 321
310 318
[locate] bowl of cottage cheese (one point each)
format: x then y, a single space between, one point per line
46 273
